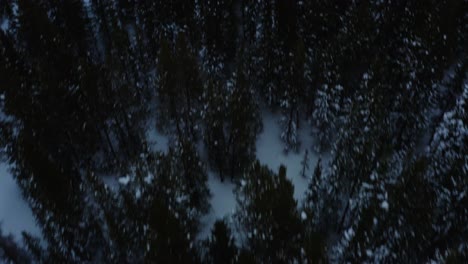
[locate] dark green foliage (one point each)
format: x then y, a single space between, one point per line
221 246
268 215
215 128
294 88
305 164
383 85
220 31
243 125
10 252
179 87
167 241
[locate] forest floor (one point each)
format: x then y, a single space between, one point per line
16 216
270 152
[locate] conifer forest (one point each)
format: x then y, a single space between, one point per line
233 131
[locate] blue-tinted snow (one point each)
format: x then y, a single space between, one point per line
270 152
15 214
4 24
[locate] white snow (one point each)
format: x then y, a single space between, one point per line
156 140
384 205
138 194
243 183
349 234
5 25
223 203
149 178
15 214
124 180
110 180
270 151
303 215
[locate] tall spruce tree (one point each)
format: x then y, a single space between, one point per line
221 245
268 215
243 124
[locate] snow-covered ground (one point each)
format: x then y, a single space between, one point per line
4 24
270 152
156 140
223 203
15 214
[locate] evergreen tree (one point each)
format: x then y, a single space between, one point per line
10 252
326 114
293 92
268 215
219 23
243 125
314 235
396 225
180 89
383 83
266 60
448 156
221 246
305 164
215 126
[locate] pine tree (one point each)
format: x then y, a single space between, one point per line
266 61
71 19
314 234
168 242
305 164
179 87
326 114
313 191
286 15
194 177
188 85
221 245
215 124
166 84
268 215
154 215
243 125
448 165
293 91
11 252
220 32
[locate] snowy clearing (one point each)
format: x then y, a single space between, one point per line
223 203
270 151
15 214
156 140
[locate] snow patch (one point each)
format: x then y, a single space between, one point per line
124 180
270 151
303 216
156 140
15 214
384 205
223 203
5 24
243 182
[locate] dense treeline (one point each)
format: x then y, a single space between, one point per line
383 84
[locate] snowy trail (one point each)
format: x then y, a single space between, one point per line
269 148
157 141
15 214
223 203
270 151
